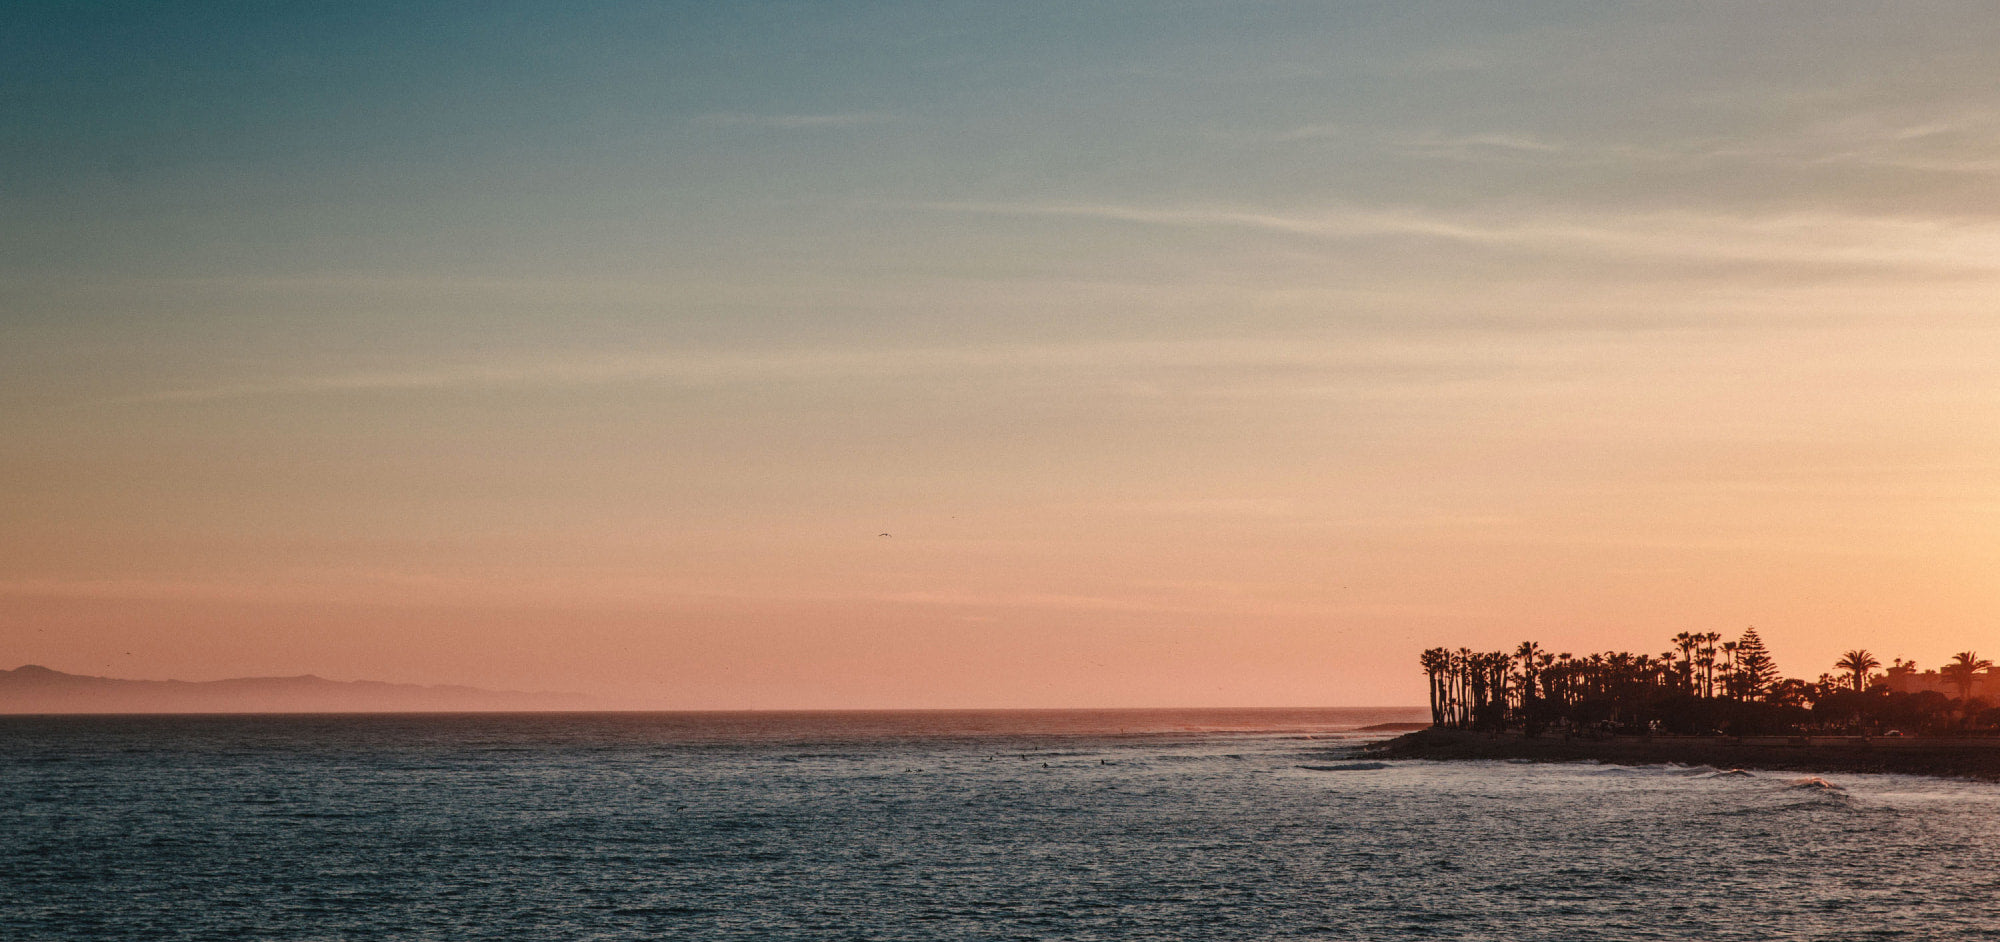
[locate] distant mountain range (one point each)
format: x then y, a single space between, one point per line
36 689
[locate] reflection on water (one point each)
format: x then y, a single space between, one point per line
1166 825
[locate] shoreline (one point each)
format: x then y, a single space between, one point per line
1973 759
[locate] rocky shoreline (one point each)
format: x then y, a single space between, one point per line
1968 758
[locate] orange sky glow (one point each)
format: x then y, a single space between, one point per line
952 359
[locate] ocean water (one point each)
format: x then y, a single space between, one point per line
1187 825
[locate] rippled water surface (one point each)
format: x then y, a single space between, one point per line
941 826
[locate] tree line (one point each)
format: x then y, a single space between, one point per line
1700 684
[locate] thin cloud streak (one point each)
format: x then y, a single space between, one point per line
1959 144
710 368
793 122
1913 243
504 589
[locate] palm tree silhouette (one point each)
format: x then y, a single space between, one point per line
1857 664
1687 642
1729 668
1963 670
1437 661
1529 689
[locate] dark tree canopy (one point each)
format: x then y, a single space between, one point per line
1698 685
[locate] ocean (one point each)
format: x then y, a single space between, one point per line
1113 825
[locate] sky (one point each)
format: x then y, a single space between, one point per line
850 355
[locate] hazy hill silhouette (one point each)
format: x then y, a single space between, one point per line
37 689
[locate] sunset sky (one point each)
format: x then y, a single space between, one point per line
1187 354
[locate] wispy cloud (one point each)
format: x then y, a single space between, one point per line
1424 141
1504 142
1515 146
848 119
1372 360
1959 144
1816 239
482 587
1955 143
1216 507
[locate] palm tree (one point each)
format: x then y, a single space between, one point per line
1857 664
1708 640
1463 659
1963 670
1436 662
1494 672
1564 677
1729 668
1687 643
1526 655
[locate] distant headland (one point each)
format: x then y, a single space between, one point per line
1705 701
36 689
